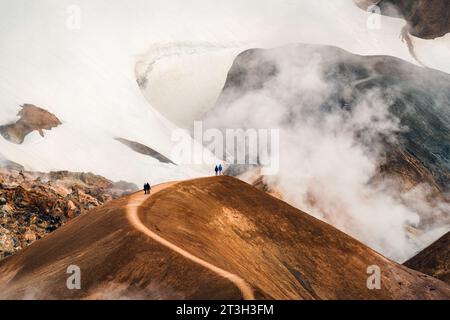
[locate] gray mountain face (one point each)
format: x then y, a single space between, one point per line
291 85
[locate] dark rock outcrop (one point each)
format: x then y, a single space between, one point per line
434 260
279 251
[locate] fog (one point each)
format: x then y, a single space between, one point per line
330 155
86 77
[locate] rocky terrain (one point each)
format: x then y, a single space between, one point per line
32 204
32 118
417 97
434 260
143 149
427 19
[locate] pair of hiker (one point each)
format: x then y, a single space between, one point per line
219 170
147 188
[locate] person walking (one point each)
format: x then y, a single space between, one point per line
147 188
216 169
220 170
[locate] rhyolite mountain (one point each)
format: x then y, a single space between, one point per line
31 118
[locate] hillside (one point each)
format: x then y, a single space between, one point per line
434 260
210 238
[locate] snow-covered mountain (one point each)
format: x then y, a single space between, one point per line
138 69
426 19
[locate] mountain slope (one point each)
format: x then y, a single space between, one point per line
90 84
279 251
368 129
417 97
434 260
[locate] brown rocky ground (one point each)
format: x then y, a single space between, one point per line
33 204
143 149
32 118
280 252
434 260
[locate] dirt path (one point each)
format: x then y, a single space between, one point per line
132 213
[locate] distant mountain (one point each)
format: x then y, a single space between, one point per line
418 97
210 238
143 149
426 19
434 260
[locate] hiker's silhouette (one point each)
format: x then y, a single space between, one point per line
147 188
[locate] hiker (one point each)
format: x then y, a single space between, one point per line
147 188
216 169
220 170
